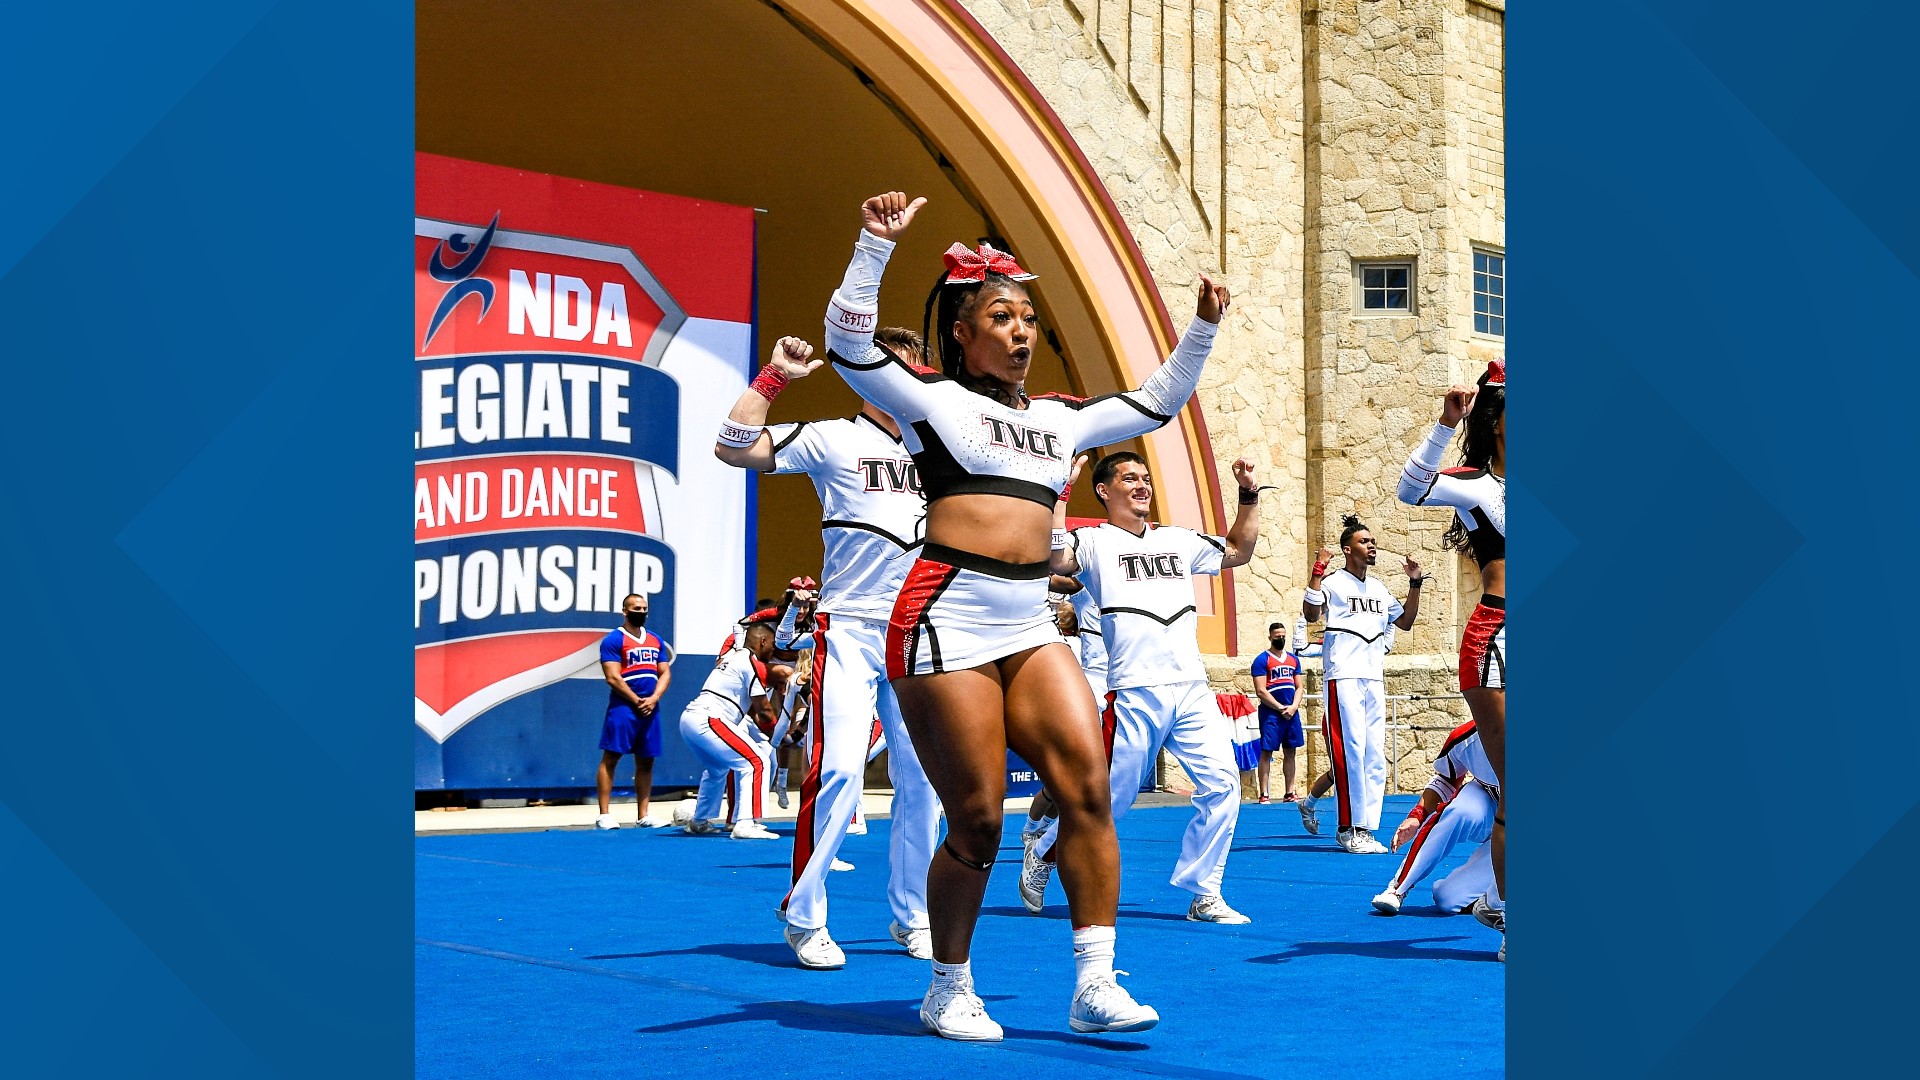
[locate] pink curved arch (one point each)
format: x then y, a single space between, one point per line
1012 152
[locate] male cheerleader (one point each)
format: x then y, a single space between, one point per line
718 725
1360 613
872 510
1140 575
1456 806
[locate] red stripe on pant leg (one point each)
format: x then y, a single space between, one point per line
924 581
733 800
1108 722
739 746
1337 747
1419 838
803 826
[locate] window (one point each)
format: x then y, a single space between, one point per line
1386 288
1489 293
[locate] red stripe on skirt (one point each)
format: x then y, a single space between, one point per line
925 580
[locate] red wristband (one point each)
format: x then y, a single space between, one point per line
1065 492
1319 569
1419 812
769 382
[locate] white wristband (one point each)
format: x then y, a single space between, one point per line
1059 539
1316 598
732 434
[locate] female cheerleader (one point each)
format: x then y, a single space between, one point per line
1477 491
972 651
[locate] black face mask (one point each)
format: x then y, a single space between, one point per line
1280 644
636 618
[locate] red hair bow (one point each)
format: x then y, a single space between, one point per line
964 265
1497 373
802 583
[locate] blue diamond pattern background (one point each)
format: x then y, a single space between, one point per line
1713 250
1712 268
204 794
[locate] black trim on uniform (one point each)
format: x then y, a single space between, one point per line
1168 621
791 435
939 469
1081 403
1218 545
941 474
971 484
834 523
981 564
1498 603
1355 633
933 636
857 417
886 357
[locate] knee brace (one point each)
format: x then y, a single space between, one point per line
983 867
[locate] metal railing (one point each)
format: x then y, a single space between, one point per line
1394 728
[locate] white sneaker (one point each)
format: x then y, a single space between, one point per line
1104 1005
1489 915
918 943
1387 903
1502 955
859 828
1032 831
1214 909
683 813
841 864
605 821
701 828
1035 872
816 949
1369 843
1349 840
652 822
956 1012
753 830
1309 817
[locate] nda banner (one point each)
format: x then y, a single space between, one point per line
576 346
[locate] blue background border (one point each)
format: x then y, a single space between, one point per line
205 265
1713 242
202 805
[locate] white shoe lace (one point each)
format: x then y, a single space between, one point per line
1106 999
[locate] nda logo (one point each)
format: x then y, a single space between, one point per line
469 256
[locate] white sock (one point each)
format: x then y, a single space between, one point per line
955 976
1495 900
1092 954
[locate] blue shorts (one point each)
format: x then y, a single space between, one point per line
623 734
1277 731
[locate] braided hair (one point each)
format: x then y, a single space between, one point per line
952 302
1482 438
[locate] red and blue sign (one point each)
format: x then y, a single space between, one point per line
573 340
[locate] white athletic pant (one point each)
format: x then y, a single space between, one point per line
1468 819
1356 730
849 687
737 760
1185 718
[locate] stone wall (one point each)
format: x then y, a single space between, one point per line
1276 142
